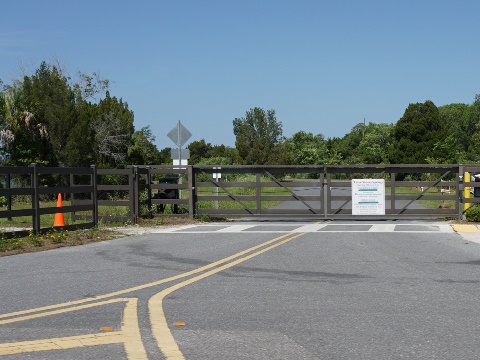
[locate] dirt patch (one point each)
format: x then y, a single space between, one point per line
62 238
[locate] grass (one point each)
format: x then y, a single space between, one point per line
429 204
242 191
58 238
47 220
54 239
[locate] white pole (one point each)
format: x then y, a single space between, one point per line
216 190
179 144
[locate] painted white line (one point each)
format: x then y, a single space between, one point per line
173 229
382 228
310 228
236 228
446 228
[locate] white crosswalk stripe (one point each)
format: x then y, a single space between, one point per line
309 228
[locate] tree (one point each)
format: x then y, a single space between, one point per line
415 135
460 126
373 147
199 150
142 149
61 107
50 98
23 138
113 129
258 135
306 148
223 151
472 154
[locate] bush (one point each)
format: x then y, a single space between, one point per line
473 213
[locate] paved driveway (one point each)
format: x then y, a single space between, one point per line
249 290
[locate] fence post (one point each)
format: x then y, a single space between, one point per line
71 185
258 192
94 194
460 190
8 185
149 191
35 200
392 193
134 195
323 197
192 202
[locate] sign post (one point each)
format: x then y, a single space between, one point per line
179 135
217 176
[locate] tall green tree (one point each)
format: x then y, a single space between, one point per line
142 150
23 138
51 100
199 150
460 126
306 148
373 147
416 134
165 156
64 111
113 128
472 153
258 136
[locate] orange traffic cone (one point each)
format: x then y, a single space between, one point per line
59 219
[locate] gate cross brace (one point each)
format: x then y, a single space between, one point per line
424 191
230 195
290 191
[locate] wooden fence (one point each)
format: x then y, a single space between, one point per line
33 185
322 192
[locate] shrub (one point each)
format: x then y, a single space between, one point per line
473 213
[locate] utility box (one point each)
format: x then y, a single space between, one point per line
167 194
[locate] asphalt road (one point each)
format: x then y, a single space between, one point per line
328 290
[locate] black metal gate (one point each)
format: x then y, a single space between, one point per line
411 191
322 192
259 191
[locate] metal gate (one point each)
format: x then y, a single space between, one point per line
316 191
259 191
411 191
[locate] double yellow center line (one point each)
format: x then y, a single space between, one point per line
130 330
160 329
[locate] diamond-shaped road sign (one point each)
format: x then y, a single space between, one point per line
179 134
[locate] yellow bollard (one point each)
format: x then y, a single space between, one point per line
466 191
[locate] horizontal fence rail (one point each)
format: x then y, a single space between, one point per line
258 190
33 184
404 196
325 192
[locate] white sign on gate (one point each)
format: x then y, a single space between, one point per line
368 197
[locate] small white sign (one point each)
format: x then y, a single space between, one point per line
176 162
217 176
368 197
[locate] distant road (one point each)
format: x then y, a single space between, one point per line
248 290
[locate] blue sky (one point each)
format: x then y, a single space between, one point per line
323 65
